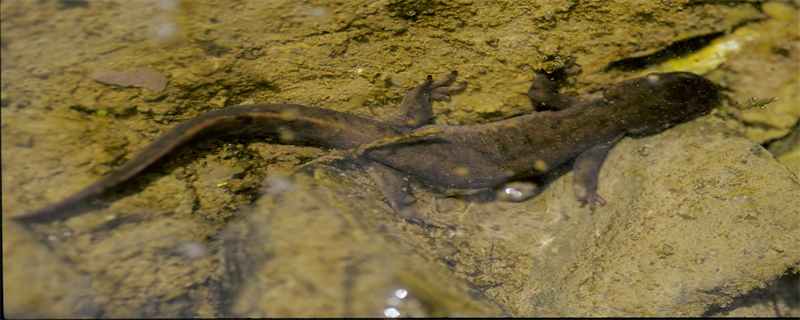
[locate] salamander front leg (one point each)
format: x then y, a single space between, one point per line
415 110
543 91
586 172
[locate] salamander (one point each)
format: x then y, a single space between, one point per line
400 145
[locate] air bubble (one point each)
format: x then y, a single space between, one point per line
517 191
391 313
411 13
653 79
740 199
193 250
401 293
319 12
393 301
277 183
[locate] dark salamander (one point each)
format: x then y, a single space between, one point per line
460 157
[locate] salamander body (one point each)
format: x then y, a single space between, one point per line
461 157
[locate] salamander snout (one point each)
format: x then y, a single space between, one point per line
688 95
660 100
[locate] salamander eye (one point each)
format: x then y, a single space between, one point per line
653 79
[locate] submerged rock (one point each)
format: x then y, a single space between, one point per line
144 77
696 218
314 246
39 284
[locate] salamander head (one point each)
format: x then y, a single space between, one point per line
658 101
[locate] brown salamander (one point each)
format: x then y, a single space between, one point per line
460 157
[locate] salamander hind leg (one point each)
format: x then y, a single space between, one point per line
415 110
394 186
438 91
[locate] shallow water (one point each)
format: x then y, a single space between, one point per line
168 248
